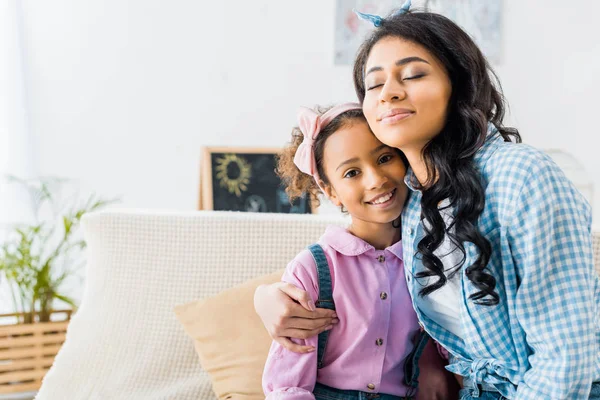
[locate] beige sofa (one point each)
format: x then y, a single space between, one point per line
125 342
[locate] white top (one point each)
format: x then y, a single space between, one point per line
443 305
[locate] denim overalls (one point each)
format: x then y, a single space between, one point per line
322 392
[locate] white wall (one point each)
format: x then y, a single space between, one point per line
16 149
122 94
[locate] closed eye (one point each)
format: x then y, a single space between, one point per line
408 78
374 87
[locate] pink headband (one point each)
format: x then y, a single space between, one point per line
311 124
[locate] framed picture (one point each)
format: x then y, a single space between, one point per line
244 179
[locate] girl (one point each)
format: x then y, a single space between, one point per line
497 241
358 272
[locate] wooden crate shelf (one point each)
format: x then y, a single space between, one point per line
27 352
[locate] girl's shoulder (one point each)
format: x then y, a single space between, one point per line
302 270
303 261
306 260
339 247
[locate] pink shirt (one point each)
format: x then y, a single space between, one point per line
377 322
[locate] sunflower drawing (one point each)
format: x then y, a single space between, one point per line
233 173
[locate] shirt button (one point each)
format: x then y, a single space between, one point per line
381 258
383 295
379 342
410 231
370 386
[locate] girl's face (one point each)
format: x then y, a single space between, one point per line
365 176
407 91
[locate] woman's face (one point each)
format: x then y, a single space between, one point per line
407 91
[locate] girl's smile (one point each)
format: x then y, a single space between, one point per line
384 200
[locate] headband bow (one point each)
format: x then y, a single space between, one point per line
311 124
376 20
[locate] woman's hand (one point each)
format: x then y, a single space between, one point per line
288 313
435 382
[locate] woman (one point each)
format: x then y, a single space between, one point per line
497 242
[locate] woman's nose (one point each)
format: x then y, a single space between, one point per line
392 90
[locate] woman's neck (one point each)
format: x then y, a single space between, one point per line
376 234
417 164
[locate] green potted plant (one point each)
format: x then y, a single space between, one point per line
37 258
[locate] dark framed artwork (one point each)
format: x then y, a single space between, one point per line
244 179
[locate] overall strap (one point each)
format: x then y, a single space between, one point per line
411 363
325 299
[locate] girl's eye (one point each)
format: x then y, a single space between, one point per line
385 158
351 174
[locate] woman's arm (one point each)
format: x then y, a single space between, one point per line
286 313
550 241
435 382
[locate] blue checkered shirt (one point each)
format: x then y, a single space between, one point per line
542 341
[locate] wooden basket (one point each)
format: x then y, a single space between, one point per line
27 352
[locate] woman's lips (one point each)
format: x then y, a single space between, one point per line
395 115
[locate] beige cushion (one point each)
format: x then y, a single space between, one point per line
230 339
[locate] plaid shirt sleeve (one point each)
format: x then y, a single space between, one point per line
550 239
